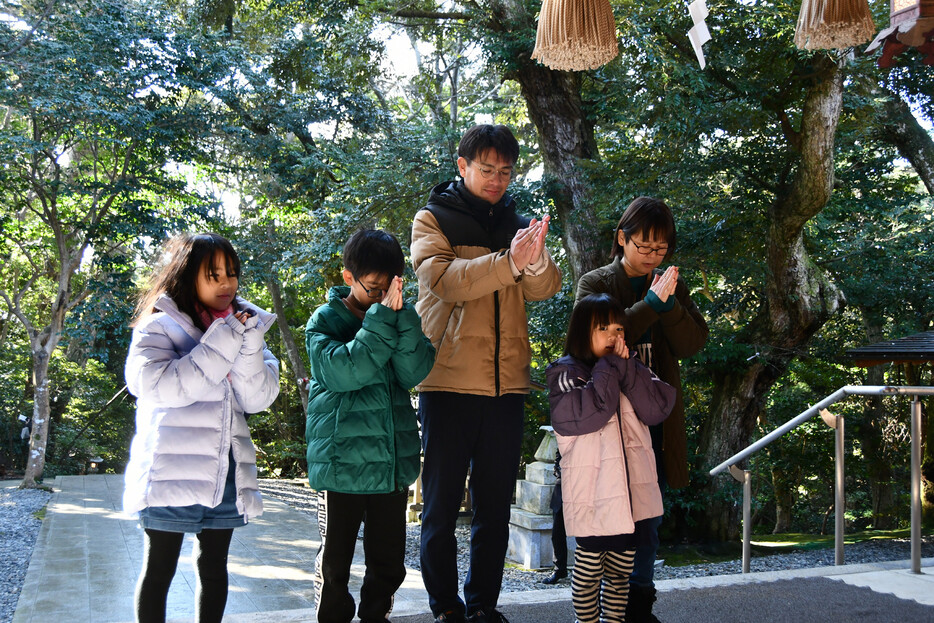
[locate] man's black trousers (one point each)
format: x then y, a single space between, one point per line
484 434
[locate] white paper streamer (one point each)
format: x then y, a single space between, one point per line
699 34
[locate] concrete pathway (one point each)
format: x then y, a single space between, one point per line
87 558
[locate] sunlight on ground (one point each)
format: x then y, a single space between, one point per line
75 509
768 544
270 572
303 543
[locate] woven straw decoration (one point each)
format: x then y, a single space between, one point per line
833 24
574 35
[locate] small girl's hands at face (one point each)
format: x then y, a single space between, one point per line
243 315
620 349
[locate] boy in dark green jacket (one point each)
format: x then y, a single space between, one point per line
366 349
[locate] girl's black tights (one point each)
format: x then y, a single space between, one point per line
160 558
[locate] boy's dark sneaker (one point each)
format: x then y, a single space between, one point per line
483 616
450 616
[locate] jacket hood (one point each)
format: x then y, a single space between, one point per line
336 296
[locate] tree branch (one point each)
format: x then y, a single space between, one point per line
18 312
432 15
900 128
32 31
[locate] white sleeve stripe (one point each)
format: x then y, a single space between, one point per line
563 382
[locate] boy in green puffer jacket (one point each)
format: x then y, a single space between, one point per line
367 350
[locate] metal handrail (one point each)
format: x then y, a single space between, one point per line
836 422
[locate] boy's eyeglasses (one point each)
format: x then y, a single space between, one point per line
373 293
644 249
488 172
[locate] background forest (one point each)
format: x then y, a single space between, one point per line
801 183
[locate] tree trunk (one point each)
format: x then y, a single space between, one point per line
798 299
786 475
296 363
566 138
41 410
868 431
900 128
784 485
735 406
43 343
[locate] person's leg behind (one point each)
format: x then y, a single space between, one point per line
493 470
617 566
211 549
643 571
160 559
559 540
642 594
448 431
384 549
585 585
339 517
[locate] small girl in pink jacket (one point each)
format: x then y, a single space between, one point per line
602 401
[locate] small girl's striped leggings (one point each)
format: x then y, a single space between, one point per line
600 585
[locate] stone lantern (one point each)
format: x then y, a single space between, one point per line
530 519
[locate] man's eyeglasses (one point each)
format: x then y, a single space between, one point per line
644 249
488 172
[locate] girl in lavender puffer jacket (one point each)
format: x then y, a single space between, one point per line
197 364
602 401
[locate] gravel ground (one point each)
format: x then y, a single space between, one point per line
297 495
19 528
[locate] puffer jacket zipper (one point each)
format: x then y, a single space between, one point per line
496 328
387 378
225 448
622 441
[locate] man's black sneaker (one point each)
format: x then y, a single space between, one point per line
482 616
450 616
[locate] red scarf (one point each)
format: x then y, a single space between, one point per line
208 316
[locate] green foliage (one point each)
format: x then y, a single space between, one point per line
83 427
14 397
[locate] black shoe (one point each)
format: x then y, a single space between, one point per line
483 616
450 616
557 574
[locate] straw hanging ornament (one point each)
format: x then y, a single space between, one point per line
574 35
833 24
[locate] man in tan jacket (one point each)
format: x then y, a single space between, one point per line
477 263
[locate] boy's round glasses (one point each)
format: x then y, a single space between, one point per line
644 249
487 172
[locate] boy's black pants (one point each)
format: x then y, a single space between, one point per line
339 517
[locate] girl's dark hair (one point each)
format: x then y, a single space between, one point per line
483 137
592 311
649 218
177 273
373 251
